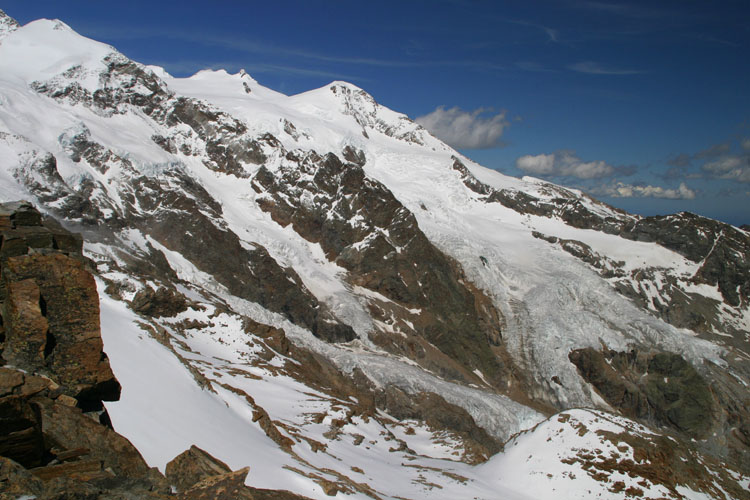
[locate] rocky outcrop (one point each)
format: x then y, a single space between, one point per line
51 309
173 208
661 389
192 466
178 213
21 431
722 250
160 302
200 476
361 106
437 413
7 24
51 316
229 486
365 229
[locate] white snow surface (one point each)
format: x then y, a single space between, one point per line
551 302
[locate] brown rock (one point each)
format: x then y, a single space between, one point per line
68 428
64 488
84 470
9 380
16 481
229 486
21 431
192 466
20 213
26 328
34 384
65 455
66 400
658 388
71 350
439 414
162 302
261 494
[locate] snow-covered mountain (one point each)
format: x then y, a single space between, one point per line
317 288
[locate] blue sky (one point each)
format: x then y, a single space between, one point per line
646 105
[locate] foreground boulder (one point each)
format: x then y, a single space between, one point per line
198 475
192 466
51 317
50 313
228 486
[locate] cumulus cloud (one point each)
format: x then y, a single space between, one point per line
622 190
730 167
564 164
719 162
479 129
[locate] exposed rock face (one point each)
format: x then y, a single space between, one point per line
192 466
723 250
228 486
51 309
173 208
180 214
362 227
160 302
52 325
248 273
26 328
198 476
16 481
662 388
68 428
7 24
366 111
437 412
21 431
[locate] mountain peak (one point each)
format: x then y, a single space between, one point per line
341 84
47 48
7 24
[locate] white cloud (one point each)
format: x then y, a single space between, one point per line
745 144
730 167
564 163
622 190
463 129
